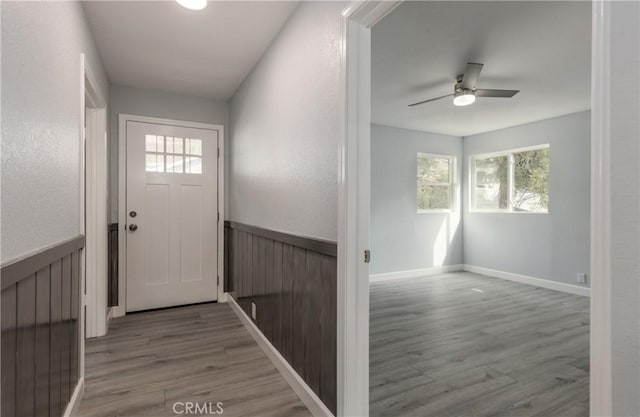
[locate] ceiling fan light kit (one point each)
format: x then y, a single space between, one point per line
464 98
193 4
465 91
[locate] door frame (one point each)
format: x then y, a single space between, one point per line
121 309
353 204
353 208
94 200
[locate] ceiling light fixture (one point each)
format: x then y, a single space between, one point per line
193 4
464 98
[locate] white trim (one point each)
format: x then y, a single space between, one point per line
505 211
222 296
510 151
353 205
415 273
82 212
367 13
76 399
109 317
304 392
601 370
96 221
123 118
170 122
95 200
525 279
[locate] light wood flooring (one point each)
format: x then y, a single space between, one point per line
461 344
200 353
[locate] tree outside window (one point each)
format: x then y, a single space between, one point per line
435 182
513 181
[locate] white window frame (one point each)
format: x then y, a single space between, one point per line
508 153
451 184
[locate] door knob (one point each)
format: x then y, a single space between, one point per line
133 227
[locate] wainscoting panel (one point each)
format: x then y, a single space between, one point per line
40 333
112 284
292 282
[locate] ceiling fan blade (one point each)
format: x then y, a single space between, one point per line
496 93
427 101
470 76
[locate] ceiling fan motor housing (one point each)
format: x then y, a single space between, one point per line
459 91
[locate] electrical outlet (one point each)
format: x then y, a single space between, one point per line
581 278
253 311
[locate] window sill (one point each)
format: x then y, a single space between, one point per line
506 212
434 211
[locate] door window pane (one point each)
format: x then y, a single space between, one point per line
178 145
183 155
151 162
154 162
194 165
150 143
169 142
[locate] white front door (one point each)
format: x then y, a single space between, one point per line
172 194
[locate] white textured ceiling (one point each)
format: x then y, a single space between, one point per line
542 49
162 46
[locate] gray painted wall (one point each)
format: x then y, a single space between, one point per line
401 238
285 124
625 207
41 46
552 246
140 102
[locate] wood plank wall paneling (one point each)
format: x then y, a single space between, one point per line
112 285
40 331
292 282
9 350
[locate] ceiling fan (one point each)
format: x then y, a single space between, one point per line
465 91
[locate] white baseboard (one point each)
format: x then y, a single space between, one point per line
306 394
118 311
109 317
76 399
524 279
414 273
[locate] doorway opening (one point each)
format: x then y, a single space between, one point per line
170 213
354 224
480 209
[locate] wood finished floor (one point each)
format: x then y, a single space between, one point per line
462 344
201 353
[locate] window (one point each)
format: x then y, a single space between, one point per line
511 181
435 182
173 155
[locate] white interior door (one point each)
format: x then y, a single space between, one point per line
171 214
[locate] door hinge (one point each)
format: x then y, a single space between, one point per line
218 217
218 153
367 256
218 281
